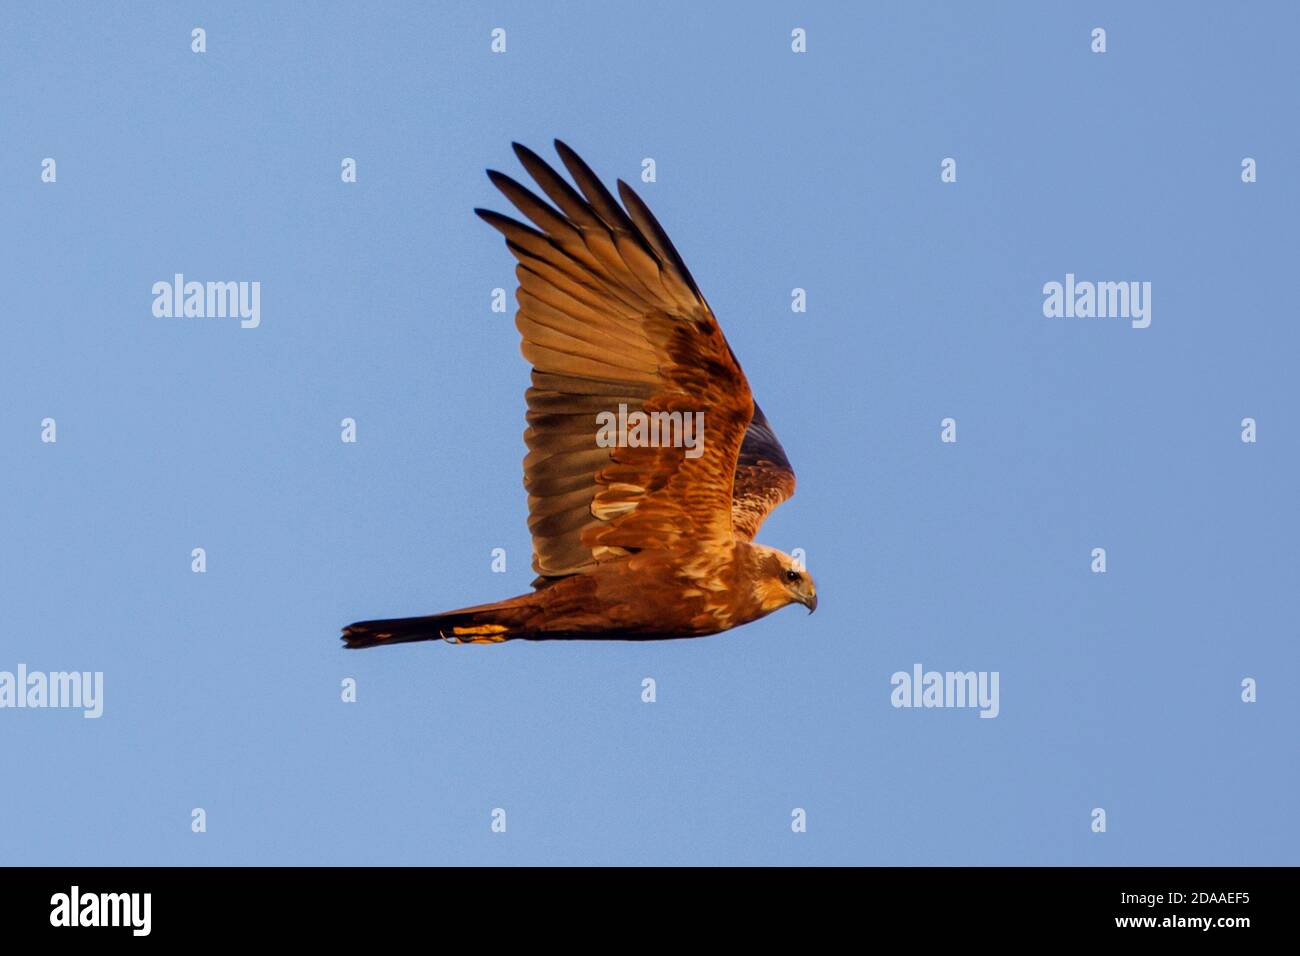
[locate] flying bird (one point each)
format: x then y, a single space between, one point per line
632 539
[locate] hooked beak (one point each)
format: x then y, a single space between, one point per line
811 602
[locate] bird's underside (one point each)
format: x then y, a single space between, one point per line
632 539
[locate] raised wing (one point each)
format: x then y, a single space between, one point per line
613 324
763 479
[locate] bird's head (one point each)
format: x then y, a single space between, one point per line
783 580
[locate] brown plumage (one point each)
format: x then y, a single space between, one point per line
632 543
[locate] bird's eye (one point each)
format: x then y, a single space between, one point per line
792 575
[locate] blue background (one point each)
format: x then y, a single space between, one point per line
222 690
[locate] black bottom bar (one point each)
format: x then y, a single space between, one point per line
337 904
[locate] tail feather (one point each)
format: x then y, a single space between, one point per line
486 624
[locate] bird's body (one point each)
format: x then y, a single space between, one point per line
632 540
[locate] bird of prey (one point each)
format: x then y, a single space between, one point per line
632 540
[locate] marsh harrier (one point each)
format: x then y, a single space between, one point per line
633 538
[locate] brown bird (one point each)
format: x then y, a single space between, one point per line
633 539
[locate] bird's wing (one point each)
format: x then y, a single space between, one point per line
763 480
611 317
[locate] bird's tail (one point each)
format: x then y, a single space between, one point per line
485 624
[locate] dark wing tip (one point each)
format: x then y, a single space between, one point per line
576 164
631 199
496 220
501 181
524 153
600 199
654 234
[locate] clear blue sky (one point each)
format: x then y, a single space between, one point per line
775 171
